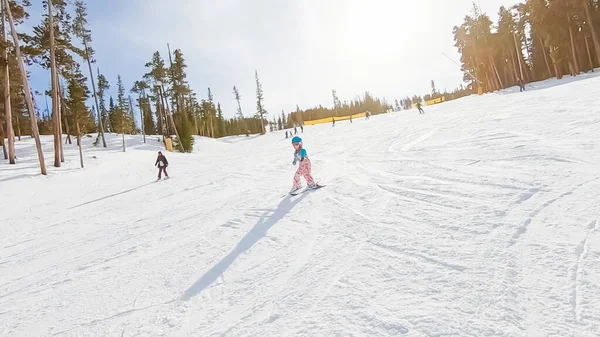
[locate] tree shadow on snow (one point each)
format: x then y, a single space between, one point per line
110 196
258 232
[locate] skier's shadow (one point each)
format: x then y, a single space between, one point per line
258 232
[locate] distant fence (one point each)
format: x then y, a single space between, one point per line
432 101
331 119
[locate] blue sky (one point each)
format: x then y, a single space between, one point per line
302 49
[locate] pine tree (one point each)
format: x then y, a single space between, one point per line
220 121
535 40
336 102
260 110
157 73
78 93
237 98
157 77
122 121
23 75
210 113
114 115
178 81
49 46
131 116
103 86
55 97
180 90
80 30
147 122
284 121
10 155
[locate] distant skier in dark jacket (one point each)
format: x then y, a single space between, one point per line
162 163
419 106
521 85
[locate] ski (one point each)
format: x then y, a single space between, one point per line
305 189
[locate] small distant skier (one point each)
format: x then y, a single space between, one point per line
304 168
367 114
350 118
333 121
521 85
295 130
286 135
301 128
162 163
419 106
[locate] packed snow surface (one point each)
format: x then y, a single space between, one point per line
479 218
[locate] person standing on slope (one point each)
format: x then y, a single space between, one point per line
162 163
521 85
419 106
304 168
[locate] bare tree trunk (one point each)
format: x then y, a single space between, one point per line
518 56
573 53
123 128
100 126
7 104
2 141
594 36
195 116
64 105
165 111
489 87
109 126
170 119
142 118
28 99
571 68
587 47
505 72
68 139
514 67
54 80
79 141
133 131
18 120
497 74
544 50
161 126
60 132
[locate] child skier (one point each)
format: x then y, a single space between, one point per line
304 168
162 163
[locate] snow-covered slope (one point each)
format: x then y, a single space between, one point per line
479 218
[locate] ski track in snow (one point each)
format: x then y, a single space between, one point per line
579 273
479 218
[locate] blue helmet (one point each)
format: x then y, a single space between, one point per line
296 140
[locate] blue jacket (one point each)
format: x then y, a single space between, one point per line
299 155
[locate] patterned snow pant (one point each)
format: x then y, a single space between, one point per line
303 171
